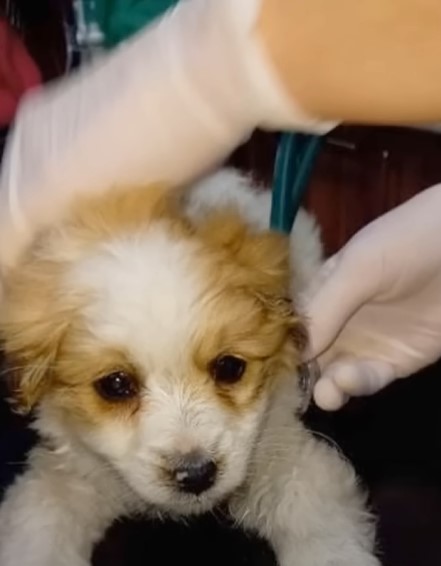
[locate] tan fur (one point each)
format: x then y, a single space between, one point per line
33 323
82 361
251 275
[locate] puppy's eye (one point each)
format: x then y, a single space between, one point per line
227 369
117 386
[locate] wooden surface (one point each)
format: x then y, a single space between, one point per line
360 174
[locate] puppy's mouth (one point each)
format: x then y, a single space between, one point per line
181 504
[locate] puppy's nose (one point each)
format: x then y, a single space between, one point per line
195 473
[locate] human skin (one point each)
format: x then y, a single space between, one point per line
369 61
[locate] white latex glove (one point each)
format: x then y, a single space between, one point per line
375 309
167 105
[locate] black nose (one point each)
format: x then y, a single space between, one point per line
195 474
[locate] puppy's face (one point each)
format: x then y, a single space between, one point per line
154 344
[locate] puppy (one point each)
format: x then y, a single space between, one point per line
153 335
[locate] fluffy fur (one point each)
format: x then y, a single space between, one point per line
159 285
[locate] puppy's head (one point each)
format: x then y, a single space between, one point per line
153 343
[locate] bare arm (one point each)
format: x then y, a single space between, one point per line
358 60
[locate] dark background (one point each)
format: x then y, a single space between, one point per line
393 439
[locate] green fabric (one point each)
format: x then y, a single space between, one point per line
119 19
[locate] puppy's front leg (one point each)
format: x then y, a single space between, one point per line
303 498
292 550
51 518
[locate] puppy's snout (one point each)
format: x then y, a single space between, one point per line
195 473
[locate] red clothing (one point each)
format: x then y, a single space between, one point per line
18 72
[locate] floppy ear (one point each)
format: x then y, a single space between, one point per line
261 263
122 208
283 310
262 255
31 329
34 312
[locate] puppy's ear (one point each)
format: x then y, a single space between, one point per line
260 262
283 312
262 257
31 328
122 209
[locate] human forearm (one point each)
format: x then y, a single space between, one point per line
358 61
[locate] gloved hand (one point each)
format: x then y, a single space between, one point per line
170 103
375 309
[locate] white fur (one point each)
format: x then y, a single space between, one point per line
280 481
228 188
123 275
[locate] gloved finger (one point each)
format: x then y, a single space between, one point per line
351 377
339 290
327 395
356 377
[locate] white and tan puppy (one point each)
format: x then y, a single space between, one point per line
153 335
